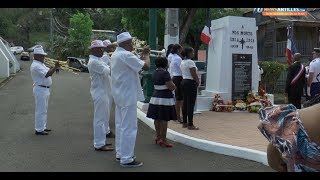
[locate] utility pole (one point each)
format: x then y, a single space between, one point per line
51 30
171 34
147 76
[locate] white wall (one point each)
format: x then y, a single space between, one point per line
7 52
17 64
4 65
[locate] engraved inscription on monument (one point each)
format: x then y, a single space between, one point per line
241 75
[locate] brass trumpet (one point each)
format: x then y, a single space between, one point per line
63 64
153 53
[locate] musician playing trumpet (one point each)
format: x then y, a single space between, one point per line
107 50
41 76
126 91
100 91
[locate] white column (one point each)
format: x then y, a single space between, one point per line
171 35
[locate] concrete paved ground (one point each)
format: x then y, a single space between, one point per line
69 146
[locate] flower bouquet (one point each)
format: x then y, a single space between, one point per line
220 106
254 107
240 105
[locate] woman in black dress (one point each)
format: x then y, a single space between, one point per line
162 104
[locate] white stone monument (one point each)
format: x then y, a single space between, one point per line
232 68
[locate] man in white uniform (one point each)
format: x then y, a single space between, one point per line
41 76
126 91
106 59
100 91
107 49
314 73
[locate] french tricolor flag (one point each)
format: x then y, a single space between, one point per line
291 47
205 35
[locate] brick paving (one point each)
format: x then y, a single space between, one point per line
233 128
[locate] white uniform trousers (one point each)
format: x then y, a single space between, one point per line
41 96
100 120
106 125
126 132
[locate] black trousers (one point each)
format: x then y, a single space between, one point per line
189 89
295 99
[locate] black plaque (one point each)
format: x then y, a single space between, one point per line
241 75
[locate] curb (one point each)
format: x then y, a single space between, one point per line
4 82
210 146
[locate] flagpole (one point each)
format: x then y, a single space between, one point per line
207 22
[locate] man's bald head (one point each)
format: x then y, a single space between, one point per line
297 57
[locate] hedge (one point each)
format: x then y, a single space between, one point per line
271 73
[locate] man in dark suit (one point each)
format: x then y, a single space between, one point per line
295 81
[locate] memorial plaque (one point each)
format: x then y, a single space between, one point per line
241 75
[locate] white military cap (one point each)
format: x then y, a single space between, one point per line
107 42
96 43
123 37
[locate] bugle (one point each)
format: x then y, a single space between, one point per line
153 53
63 64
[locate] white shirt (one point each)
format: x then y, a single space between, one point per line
315 68
106 58
307 71
38 72
260 73
169 62
125 67
100 77
186 65
175 65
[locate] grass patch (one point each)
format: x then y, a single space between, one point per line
39 37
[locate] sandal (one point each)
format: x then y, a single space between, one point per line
180 121
193 127
165 144
156 141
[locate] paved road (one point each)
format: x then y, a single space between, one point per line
69 146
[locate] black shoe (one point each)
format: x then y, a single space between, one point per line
110 135
118 159
134 163
41 133
104 148
47 130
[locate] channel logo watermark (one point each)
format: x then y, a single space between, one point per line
281 11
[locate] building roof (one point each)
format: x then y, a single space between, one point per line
313 16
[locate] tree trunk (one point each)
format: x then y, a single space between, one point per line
196 48
185 25
191 40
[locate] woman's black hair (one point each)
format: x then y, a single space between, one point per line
175 48
169 49
186 52
161 62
